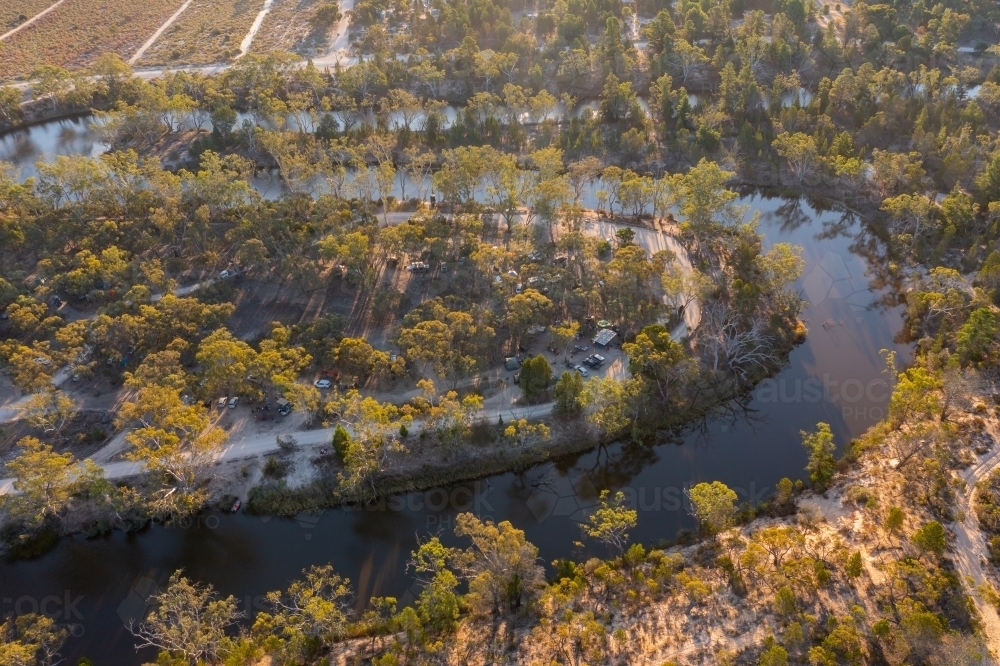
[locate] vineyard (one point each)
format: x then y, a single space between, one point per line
15 12
80 31
289 28
209 31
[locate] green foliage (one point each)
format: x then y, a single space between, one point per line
663 362
611 520
977 336
821 448
535 375
713 504
784 602
931 538
341 440
774 655
568 393
854 566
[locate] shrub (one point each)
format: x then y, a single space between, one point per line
342 438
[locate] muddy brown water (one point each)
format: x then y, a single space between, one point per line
96 586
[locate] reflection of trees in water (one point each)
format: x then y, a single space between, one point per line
791 215
622 464
865 240
730 415
617 465
607 466
867 243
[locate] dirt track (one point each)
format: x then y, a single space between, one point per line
970 551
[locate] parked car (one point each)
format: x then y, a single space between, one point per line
582 370
222 402
233 402
580 348
517 377
322 383
223 275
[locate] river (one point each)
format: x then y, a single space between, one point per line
97 585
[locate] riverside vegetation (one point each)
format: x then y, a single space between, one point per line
880 114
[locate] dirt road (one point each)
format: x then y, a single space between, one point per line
256 446
970 552
31 21
156 35
255 28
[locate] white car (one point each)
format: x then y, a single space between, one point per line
582 370
41 360
223 275
322 383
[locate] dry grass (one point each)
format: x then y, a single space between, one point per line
80 31
287 28
11 12
209 31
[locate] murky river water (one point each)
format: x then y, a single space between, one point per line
97 585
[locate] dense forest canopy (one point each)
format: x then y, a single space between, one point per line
473 192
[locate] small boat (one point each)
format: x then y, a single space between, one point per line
236 506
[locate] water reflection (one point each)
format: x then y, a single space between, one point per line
834 376
45 141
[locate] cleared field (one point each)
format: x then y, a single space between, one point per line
80 31
288 28
208 31
15 12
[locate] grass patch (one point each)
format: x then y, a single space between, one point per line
15 12
209 31
288 27
78 32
